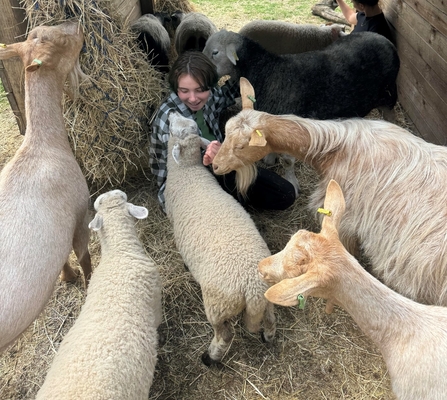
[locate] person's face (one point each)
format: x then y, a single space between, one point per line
190 93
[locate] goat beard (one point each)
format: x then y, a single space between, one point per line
245 176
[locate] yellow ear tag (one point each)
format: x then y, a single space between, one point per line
3 45
257 139
324 211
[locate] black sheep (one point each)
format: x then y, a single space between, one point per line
349 78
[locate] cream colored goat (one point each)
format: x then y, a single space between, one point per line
412 337
43 193
395 186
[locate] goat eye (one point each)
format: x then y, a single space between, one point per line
215 52
239 146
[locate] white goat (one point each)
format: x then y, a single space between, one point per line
281 37
395 185
412 337
217 239
111 350
43 195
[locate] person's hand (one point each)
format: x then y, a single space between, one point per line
211 152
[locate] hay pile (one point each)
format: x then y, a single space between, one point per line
108 123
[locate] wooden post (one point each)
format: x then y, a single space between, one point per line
13 29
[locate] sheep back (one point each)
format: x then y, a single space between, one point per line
193 32
281 37
348 78
153 39
216 237
111 350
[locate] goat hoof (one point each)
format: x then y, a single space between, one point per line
209 362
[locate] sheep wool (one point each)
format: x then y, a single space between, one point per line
111 350
217 239
192 32
281 37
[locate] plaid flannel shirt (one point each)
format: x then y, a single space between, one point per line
220 98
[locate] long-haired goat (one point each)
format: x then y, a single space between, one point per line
43 194
395 186
412 337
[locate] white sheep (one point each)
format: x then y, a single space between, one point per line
193 32
412 337
281 37
43 194
217 239
395 186
154 39
111 350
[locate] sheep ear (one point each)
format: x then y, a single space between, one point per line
247 93
204 143
96 223
334 208
257 139
285 293
137 211
176 153
231 53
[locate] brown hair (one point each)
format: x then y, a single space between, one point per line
196 64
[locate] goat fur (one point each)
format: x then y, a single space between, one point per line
412 337
395 186
43 194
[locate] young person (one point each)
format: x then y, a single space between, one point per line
195 94
366 16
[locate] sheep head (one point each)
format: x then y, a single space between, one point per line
109 201
222 48
306 265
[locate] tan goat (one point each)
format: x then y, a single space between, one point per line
43 193
412 337
394 183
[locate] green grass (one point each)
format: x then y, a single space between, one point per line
299 11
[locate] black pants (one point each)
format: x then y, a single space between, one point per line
268 192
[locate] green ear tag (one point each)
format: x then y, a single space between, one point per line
301 301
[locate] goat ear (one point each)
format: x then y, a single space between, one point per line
96 223
335 203
285 293
137 211
176 153
257 139
247 93
9 50
231 53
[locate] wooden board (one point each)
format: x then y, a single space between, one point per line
421 40
12 29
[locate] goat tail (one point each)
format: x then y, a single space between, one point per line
245 176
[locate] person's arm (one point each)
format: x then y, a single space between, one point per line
348 12
158 151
